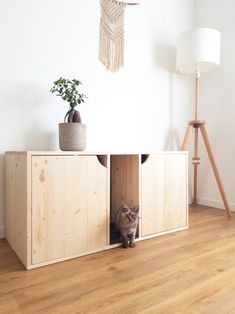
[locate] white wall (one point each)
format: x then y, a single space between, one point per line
218 103
142 107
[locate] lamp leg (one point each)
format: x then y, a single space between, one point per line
215 169
187 137
184 146
195 165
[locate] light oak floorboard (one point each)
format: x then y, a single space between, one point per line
191 271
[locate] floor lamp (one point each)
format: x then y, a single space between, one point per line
198 51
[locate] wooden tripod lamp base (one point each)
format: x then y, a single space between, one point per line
198 51
197 125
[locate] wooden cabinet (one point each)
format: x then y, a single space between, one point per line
60 205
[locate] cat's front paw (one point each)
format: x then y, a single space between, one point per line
132 244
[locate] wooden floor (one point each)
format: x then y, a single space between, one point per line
190 271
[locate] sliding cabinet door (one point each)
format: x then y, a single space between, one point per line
69 206
164 193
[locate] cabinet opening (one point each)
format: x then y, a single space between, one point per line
124 188
144 157
102 160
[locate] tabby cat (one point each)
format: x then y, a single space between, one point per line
126 222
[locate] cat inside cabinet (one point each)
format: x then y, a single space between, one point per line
124 189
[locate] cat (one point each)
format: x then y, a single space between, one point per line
126 221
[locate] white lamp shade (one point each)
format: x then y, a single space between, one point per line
198 50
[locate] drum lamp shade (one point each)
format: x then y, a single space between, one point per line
198 50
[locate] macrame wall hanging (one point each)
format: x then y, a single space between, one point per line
111 51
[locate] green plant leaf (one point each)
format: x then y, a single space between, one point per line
68 91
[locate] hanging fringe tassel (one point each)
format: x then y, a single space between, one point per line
111 51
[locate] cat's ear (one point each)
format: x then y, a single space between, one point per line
136 209
125 208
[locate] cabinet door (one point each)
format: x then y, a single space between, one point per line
164 193
69 206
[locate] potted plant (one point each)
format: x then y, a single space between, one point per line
72 133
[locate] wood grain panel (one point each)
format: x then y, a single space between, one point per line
69 210
175 191
124 182
16 203
164 193
152 194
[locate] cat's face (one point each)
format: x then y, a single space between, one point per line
132 213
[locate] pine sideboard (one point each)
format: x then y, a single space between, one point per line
60 205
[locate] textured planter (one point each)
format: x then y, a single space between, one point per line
72 136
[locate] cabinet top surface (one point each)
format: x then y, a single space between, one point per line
77 153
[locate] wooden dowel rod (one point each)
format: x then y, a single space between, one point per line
195 166
187 137
127 3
